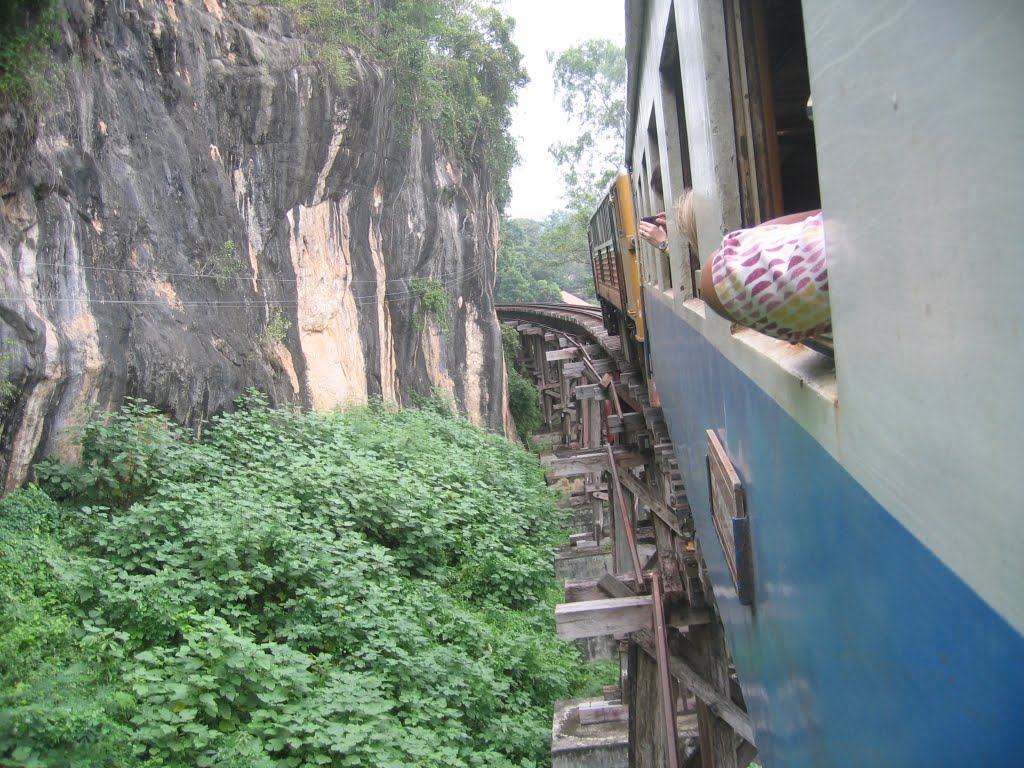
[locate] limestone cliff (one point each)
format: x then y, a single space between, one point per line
201 211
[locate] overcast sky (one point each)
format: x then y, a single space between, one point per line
541 26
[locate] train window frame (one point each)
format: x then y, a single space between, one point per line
767 58
679 176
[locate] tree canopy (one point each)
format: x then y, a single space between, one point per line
591 80
453 62
529 271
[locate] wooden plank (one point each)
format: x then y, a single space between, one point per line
719 705
614 587
587 461
671 580
628 420
568 353
597 618
586 391
577 590
683 617
572 369
603 365
652 502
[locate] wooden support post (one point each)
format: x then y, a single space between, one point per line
651 501
716 703
666 694
596 618
626 529
671 579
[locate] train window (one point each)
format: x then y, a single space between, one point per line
775 150
678 178
656 202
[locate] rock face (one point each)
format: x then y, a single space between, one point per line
201 211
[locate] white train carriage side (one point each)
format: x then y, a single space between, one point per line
877 617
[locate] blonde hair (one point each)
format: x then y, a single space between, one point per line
686 219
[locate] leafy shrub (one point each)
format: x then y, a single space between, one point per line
28 32
277 329
522 394
433 302
368 588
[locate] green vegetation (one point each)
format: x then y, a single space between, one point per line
223 264
368 588
277 329
529 271
28 32
522 394
591 79
7 388
453 63
26 65
433 301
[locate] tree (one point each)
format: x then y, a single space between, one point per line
591 79
529 272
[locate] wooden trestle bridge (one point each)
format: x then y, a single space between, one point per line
612 441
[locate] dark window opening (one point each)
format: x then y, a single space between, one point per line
775 151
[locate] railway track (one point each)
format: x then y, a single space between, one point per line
608 434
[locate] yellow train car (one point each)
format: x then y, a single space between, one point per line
612 240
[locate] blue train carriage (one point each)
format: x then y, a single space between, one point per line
860 515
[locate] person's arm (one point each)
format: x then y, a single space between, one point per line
707 289
791 218
707 282
655 234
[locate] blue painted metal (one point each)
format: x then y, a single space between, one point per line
862 647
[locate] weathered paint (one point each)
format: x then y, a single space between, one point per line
862 648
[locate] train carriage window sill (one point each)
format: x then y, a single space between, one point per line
750 350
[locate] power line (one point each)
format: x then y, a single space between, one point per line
364 300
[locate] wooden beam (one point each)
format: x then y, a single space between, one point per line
614 587
683 617
597 618
553 355
718 703
587 391
592 460
572 369
628 420
652 502
577 590
671 579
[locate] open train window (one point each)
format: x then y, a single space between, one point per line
679 176
775 152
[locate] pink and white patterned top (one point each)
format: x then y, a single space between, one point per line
773 278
